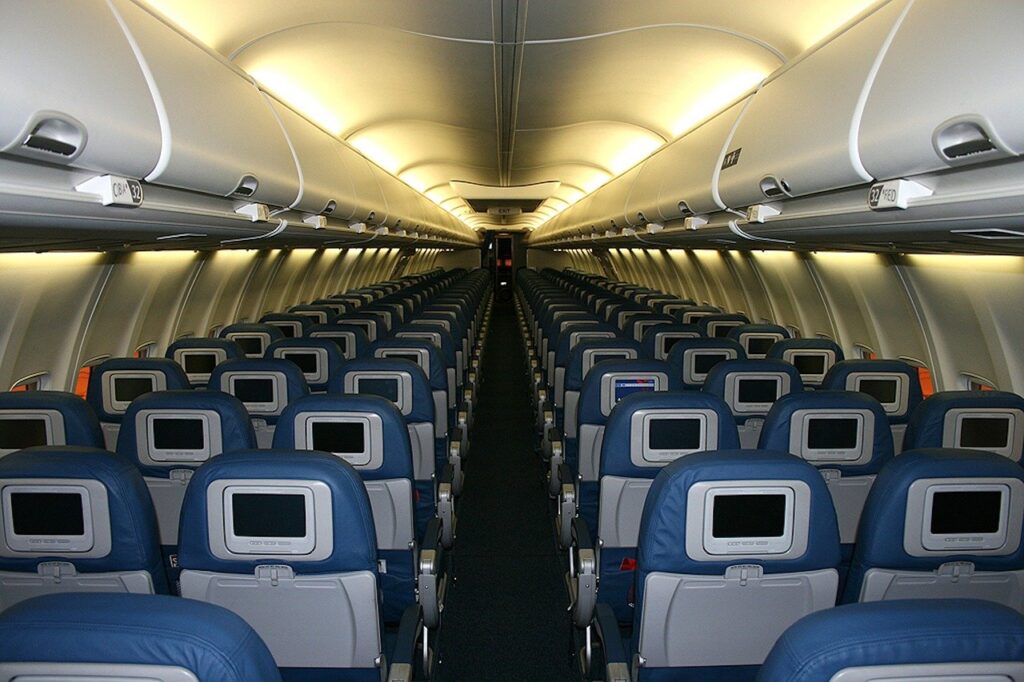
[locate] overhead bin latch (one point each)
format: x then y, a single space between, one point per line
52 136
964 139
774 188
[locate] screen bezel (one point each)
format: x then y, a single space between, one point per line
701 545
94 544
370 459
747 337
861 453
791 354
113 406
404 403
953 425
322 362
662 338
296 327
251 546
639 432
318 316
918 540
433 338
348 352
733 380
620 353
444 323
896 408
219 354
53 423
588 335
368 326
690 373
150 455
729 325
608 386
280 391
263 337
422 353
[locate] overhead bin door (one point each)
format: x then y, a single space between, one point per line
73 92
799 134
220 135
325 175
947 92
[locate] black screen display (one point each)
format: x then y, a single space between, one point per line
722 329
287 328
675 434
757 390
760 345
309 363
809 364
47 514
385 388
261 515
128 389
254 390
668 342
601 357
412 357
882 390
16 434
199 363
703 362
966 511
340 437
749 516
832 434
984 432
251 345
178 434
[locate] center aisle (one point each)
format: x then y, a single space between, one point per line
505 617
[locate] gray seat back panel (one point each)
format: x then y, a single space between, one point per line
392 504
590 441
621 506
956 580
16 587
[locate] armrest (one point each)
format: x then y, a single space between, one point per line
403 657
615 662
428 578
584 580
555 461
455 463
446 510
566 507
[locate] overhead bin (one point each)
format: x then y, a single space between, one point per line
798 136
326 184
945 93
678 180
77 97
220 135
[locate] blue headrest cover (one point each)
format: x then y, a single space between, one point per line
715 382
735 332
589 411
355 543
574 367
81 427
650 335
902 632
780 347
397 450
561 348
615 449
295 380
447 345
662 539
137 629
438 376
133 534
361 337
880 535
230 348
422 400
334 356
703 322
236 428
305 322
173 374
675 356
274 332
836 379
925 427
776 429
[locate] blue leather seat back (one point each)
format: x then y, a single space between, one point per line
982 420
31 418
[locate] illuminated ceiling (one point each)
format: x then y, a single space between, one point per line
508 92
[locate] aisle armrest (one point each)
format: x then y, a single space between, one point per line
403 657
607 630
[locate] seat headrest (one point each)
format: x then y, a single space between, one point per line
670 532
984 420
321 314
757 339
319 373
650 340
437 375
114 383
582 357
304 321
288 383
80 425
231 349
894 532
565 340
707 323
631 446
341 536
611 380
886 633
790 426
351 333
724 379
379 448
849 374
251 327
136 629
225 427
778 351
365 318
437 332
117 517
684 357
416 401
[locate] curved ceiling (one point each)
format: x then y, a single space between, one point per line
508 92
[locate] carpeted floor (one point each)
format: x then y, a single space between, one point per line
506 616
